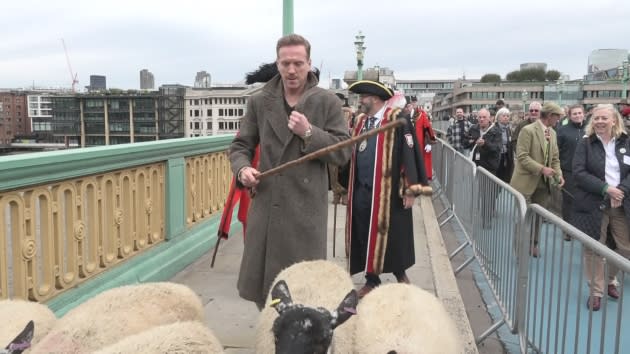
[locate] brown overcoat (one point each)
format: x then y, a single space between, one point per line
287 220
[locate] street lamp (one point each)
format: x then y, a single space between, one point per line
358 44
524 98
624 79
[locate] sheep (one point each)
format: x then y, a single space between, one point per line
299 329
19 313
402 318
313 284
118 313
179 337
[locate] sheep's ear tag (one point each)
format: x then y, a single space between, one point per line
351 310
22 341
281 296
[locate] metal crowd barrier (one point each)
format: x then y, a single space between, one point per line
445 178
499 212
543 299
556 318
437 163
463 178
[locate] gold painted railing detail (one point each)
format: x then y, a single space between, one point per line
208 180
55 236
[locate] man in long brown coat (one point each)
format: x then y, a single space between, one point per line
289 118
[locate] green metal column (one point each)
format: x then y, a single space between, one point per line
287 17
175 197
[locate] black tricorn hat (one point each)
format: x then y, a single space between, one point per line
369 87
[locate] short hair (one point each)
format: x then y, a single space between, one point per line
500 102
293 39
617 129
575 106
501 112
535 103
484 109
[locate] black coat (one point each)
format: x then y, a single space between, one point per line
568 136
589 163
490 151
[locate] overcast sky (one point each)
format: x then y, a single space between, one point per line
418 39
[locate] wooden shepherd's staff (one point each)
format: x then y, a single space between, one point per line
425 190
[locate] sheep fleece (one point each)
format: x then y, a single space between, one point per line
316 284
19 312
118 313
406 319
180 337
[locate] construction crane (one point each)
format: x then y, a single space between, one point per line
73 75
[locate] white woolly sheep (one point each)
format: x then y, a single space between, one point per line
180 337
16 314
401 318
313 284
120 312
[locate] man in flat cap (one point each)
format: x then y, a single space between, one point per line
537 165
386 175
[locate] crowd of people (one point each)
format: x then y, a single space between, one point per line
579 156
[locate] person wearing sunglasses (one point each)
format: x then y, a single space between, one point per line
534 114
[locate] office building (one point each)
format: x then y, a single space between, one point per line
202 80
147 81
217 110
517 95
13 116
40 115
95 119
97 83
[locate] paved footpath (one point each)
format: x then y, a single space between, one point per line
233 320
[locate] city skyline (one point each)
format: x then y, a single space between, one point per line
444 40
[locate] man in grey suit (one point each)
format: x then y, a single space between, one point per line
289 118
537 165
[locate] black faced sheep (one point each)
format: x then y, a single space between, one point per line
299 329
402 318
313 284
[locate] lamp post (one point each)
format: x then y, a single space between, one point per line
359 40
624 79
524 98
287 17
560 88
